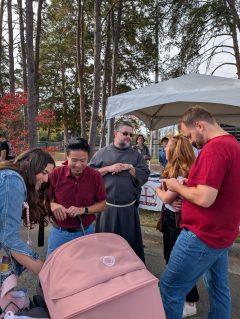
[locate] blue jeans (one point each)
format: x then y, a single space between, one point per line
58 237
189 260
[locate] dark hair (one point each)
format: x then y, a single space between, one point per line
164 139
139 136
28 164
78 144
194 114
120 124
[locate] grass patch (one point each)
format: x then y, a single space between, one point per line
154 161
237 240
59 156
148 218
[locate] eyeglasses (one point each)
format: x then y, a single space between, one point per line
127 133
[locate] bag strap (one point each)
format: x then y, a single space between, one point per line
41 233
163 207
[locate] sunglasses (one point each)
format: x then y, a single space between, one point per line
127 133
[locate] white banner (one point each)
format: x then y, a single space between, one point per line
149 199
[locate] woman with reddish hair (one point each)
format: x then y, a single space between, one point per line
180 157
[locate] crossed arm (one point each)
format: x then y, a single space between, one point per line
117 168
201 195
167 197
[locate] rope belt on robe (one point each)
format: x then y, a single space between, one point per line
126 205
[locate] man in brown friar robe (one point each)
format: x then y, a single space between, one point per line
124 171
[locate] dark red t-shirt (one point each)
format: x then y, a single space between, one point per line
82 191
218 166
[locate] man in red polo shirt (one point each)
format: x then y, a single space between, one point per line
76 190
210 218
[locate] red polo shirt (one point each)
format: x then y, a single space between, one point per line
81 191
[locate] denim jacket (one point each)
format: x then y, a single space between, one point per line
12 195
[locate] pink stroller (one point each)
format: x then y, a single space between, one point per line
99 276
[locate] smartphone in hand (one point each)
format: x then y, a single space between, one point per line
163 183
165 186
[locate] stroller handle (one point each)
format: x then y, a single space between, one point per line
81 224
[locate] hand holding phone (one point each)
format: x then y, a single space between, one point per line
163 184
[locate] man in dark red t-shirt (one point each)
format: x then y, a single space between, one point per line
210 218
76 190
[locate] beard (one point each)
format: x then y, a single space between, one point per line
124 144
199 140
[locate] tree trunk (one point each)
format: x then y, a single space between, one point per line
10 47
155 146
97 75
23 46
236 50
24 63
32 124
157 44
1 47
106 79
116 36
37 50
65 107
80 66
233 9
65 138
48 132
233 25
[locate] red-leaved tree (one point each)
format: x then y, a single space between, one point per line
46 117
11 119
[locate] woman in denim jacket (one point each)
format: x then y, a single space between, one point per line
23 180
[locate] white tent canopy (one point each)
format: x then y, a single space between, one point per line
163 104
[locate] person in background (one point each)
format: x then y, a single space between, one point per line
180 157
141 148
76 190
6 149
210 218
124 171
23 180
162 154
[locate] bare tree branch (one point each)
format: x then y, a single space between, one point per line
219 66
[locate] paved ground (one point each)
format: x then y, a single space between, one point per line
155 263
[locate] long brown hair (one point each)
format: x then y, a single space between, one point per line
28 164
181 157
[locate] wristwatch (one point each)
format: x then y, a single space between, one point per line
85 211
130 166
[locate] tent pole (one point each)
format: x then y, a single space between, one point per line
108 132
155 144
151 147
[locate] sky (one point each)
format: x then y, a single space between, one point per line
228 71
